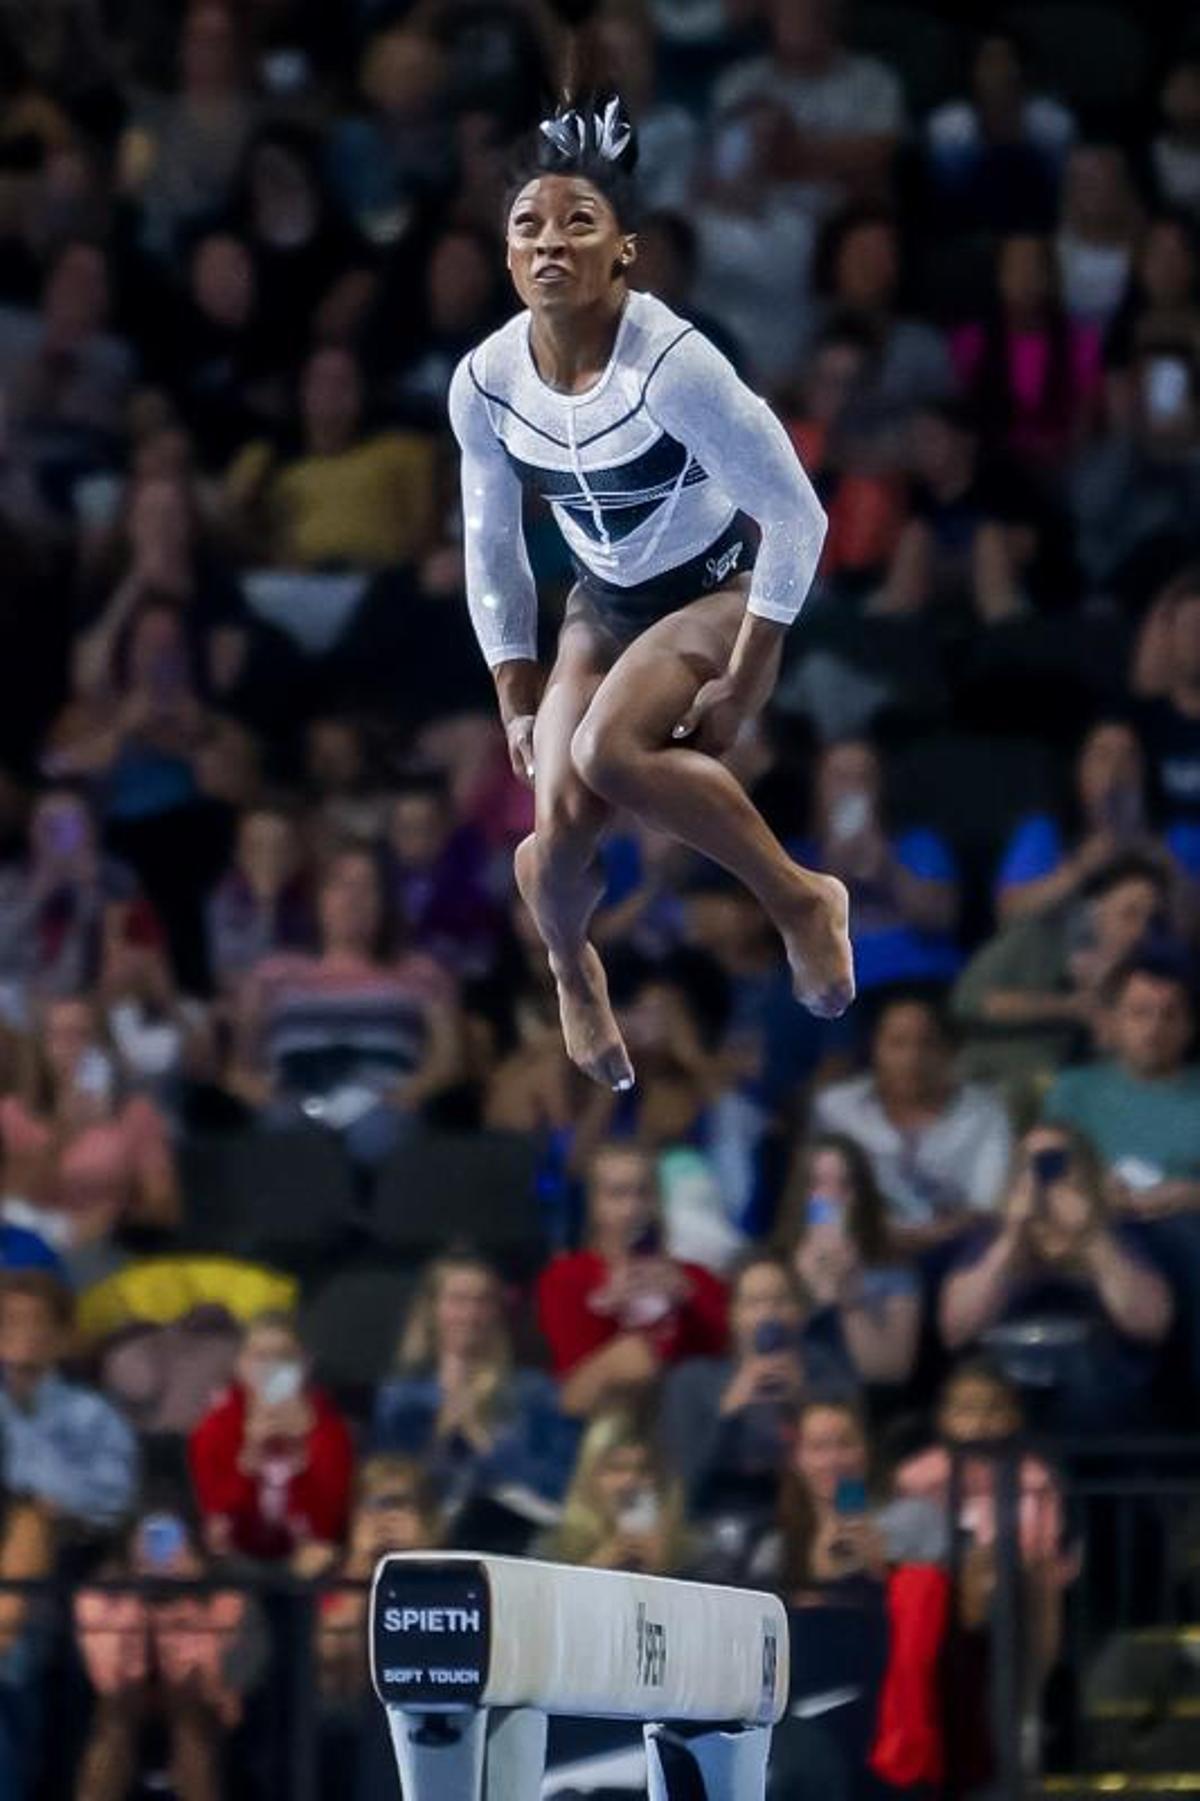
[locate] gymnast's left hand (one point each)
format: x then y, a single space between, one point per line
716 716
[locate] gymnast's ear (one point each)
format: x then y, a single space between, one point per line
627 255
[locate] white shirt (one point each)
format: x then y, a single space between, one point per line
961 1160
642 472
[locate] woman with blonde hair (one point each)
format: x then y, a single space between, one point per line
624 1510
460 1403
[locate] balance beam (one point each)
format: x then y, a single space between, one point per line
471 1654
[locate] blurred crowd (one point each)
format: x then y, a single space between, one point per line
257 824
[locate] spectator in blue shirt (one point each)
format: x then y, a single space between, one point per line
1050 858
904 893
479 1424
61 1444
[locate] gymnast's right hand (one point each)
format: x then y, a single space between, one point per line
519 732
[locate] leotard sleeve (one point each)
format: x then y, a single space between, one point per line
501 594
697 396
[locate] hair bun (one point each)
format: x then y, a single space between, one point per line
593 129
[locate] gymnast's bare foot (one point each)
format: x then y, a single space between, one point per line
594 1044
816 936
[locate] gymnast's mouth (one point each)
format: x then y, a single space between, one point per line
551 273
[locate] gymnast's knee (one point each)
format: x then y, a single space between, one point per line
607 765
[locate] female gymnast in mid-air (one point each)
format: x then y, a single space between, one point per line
658 464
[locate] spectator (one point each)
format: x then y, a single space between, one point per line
394 1510
616 1312
828 1542
1049 862
397 157
350 497
346 1034
864 506
163 1039
26 1555
1030 998
271 1461
1161 308
903 885
1175 151
82 1160
995 157
841 115
1166 674
1134 493
152 747
667 265
857 274
1099 227
1140 1108
725 1420
462 303
164 558
346 803
668 134
178 156
979 1406
623 1511
261 905
1061 1295
438 877
1031 371
478 1423
185 1662
58 903
64 1446
974 536
938 1147
220 367
67 379
862 1301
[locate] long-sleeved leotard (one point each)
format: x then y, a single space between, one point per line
645 473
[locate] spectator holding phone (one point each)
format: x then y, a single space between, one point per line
185 1662
618 1311
1061 1295
272 1460
80 1157
904 885
862 1300
622 1511
725 1420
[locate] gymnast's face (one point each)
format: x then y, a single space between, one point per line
566 248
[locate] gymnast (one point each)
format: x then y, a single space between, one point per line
694 534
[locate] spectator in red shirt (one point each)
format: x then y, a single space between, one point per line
271 1462
615 1313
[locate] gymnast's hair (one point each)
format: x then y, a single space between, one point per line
589 134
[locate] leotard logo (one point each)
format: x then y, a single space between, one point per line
717 568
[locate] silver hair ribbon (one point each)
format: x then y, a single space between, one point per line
568 132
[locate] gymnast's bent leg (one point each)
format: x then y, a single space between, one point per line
556 866
624 753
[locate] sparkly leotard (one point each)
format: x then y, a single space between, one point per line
666 477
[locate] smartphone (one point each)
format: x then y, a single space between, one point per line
822 1211
1050 1165
94 1074
1166 389
648 1242
162 1539
851 815
640 1514
772 1336
281 1384
850 1497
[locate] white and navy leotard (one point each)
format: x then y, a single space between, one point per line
653 476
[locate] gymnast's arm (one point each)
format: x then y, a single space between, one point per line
697 396
501 594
